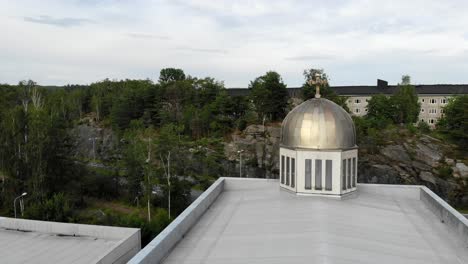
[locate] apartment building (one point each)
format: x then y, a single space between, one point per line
433 97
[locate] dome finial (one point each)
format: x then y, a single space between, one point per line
317 81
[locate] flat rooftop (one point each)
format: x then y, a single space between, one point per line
254 221
27 241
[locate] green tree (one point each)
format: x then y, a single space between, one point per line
308 91
171 75
454 122
57 208
406 80
134 155
176 96
269 95
380 107
406 104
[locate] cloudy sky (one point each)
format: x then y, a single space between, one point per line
56 42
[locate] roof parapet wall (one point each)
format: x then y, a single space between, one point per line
456 222
162 244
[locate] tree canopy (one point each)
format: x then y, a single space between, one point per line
269 95
454 122
400 108
405 102
171 75
308 91
41 128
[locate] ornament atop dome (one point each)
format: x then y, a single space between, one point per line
317 80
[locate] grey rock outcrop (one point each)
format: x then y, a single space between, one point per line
428 153
105 143
407 160
260 146
462 169
415 160
396 152
378 173
428 177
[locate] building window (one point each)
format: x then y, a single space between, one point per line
357 101
422 110
422 119
357 110
348 182
431 121
343 175
328 175
287 170
433 101
432 111
443 101
423 100
354 172
293 172
308 174
318 174
442 111
282 169
365 110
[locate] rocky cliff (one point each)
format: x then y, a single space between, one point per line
402 158
259 145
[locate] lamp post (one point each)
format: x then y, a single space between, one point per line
148 160
14 201
94 147
240 162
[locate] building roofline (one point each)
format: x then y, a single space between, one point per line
368 90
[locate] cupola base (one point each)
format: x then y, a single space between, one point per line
331 173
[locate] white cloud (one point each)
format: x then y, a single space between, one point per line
355 41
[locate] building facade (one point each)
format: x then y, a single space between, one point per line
433 98
432 106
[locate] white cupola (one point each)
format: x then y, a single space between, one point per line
318 151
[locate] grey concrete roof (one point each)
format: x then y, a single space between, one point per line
256 222
27 241
33 247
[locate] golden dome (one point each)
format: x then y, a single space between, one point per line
318 123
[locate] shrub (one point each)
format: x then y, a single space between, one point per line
57 208
454 121
411 128
445 171
423 127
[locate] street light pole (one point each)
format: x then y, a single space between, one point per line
14 201
169 182
94 147
150 189
240 162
